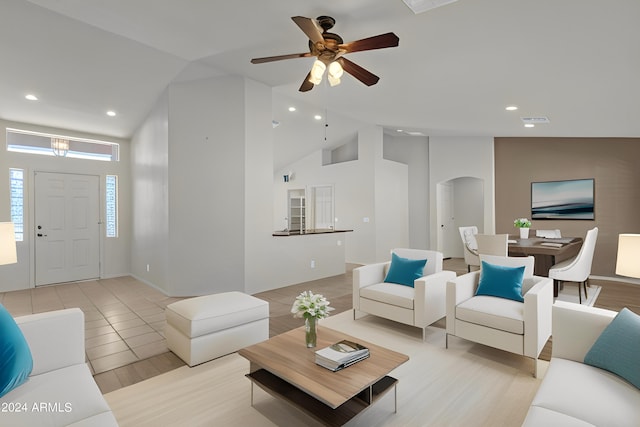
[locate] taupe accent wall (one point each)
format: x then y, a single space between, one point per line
614 163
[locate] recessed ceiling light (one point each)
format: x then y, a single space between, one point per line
398 130
317 117
529 125
292 109
511 108
31 97
111 113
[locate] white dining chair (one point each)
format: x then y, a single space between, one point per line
470 246
578 268
493 244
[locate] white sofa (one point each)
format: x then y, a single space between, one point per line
60 390
573 394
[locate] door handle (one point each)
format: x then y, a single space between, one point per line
41 235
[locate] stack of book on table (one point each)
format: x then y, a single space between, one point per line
341 354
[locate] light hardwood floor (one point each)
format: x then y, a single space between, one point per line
125 318
465 385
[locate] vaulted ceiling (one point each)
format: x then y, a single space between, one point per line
576 62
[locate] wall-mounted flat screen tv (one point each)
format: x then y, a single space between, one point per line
570 199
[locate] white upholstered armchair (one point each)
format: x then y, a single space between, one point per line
420 305
518 327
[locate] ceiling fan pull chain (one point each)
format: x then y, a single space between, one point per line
326 110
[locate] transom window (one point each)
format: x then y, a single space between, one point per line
22 141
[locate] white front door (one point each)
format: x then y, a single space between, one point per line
67 220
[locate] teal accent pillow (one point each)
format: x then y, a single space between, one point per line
403 271
16 362
617 349
501 281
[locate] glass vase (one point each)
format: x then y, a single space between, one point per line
311 331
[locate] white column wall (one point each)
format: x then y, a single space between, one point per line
150 201
414 152
392 207
263 265
206 186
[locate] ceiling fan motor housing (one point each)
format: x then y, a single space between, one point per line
326 22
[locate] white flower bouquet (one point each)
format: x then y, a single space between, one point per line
310 305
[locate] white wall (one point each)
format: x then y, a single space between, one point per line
217 189
150 201
371 198
114 252
219 200
455 157
328 251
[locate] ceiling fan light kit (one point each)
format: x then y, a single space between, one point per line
317 71
329 49
335 72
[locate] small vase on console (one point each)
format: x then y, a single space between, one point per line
311 307
523 224
311 331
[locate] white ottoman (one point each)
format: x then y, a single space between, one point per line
204 328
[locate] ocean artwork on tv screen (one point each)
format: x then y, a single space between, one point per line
571 199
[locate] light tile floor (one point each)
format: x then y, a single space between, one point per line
124 318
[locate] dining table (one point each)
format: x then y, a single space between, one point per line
546 251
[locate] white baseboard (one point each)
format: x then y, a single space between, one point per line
617 279
146 282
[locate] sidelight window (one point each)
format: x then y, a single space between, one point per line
16 184
112 206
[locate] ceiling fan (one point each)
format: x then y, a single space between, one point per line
329 48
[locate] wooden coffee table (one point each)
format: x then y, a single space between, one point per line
285 368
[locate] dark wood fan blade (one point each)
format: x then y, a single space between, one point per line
358 72
279 58
306 85
310 27
376 42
